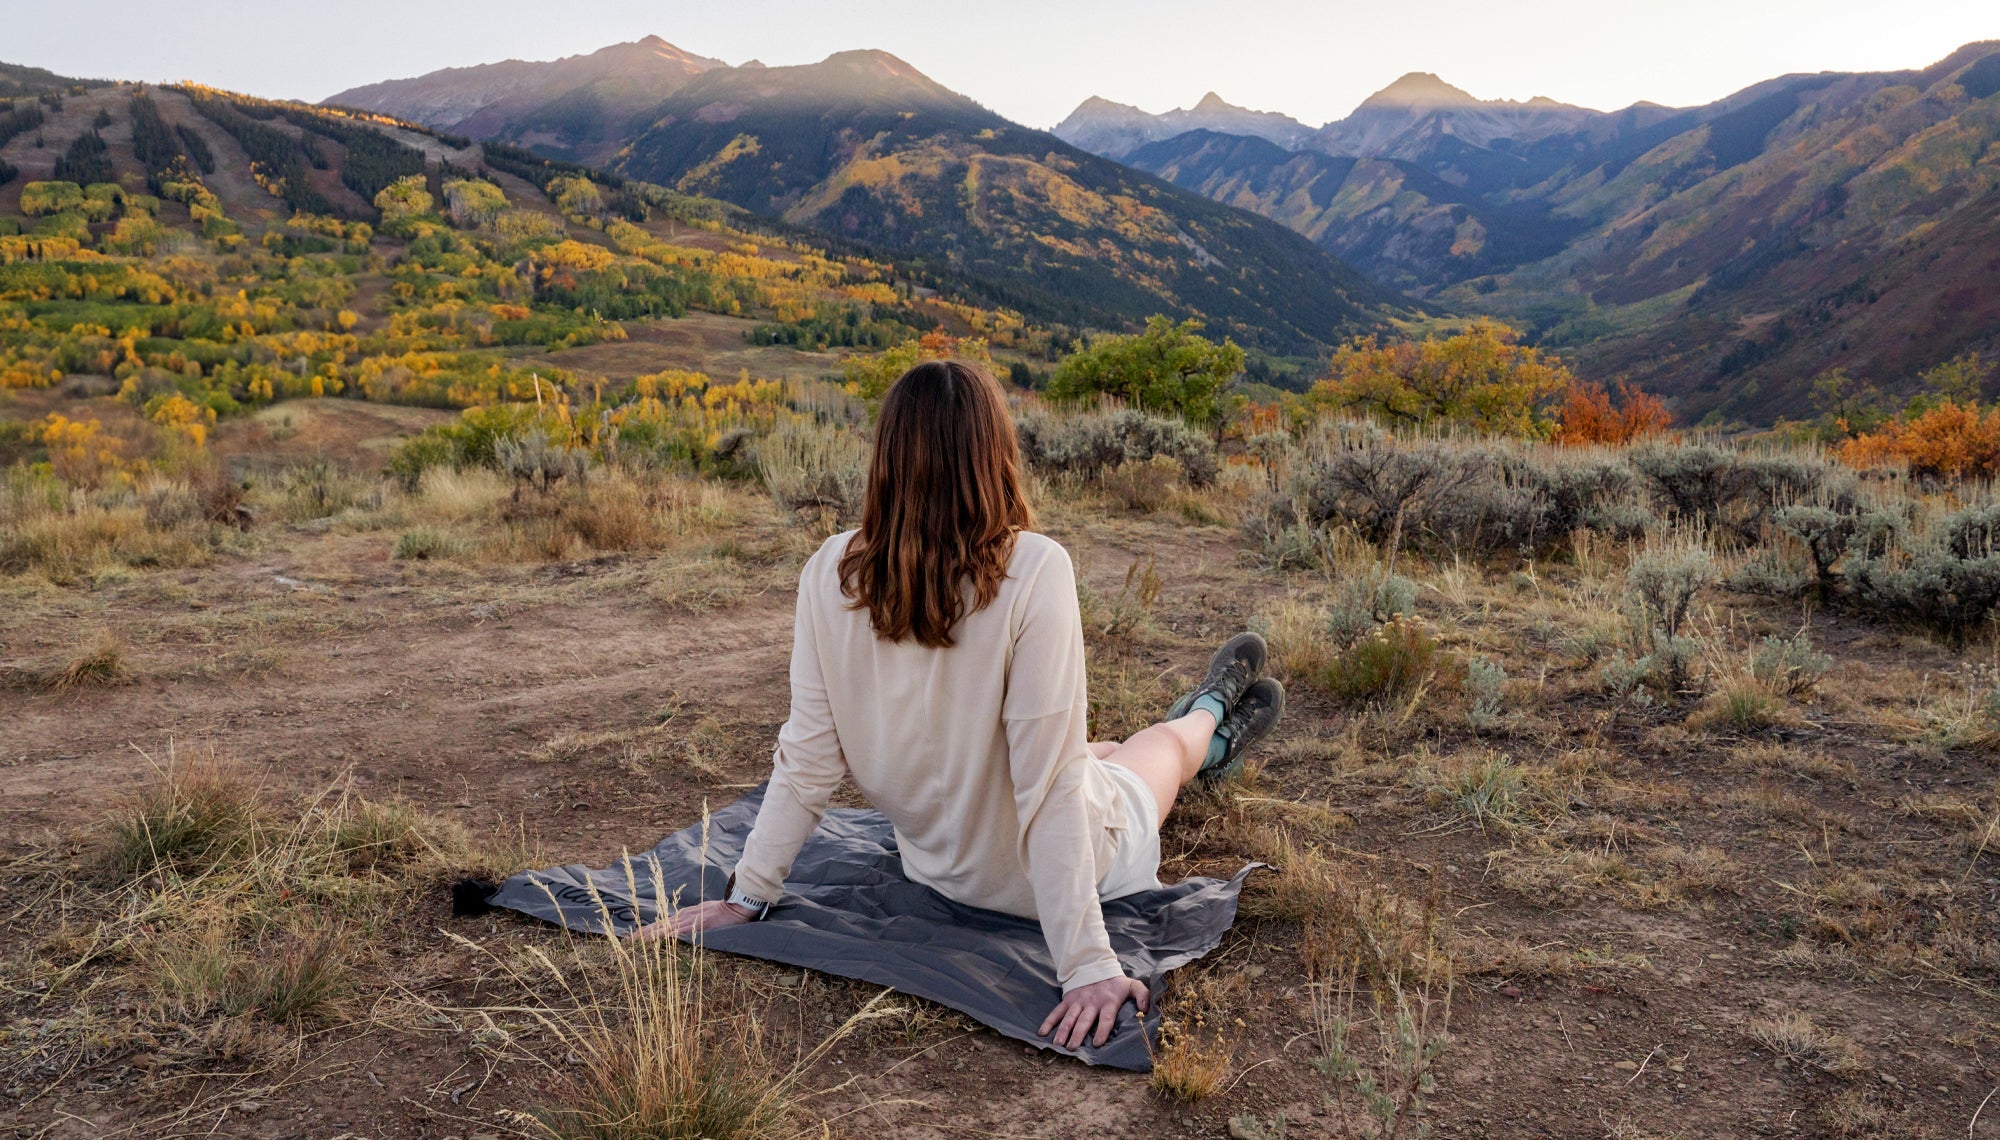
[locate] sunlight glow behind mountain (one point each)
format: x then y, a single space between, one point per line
1035 59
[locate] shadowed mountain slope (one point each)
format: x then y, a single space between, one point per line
1724 254
867 149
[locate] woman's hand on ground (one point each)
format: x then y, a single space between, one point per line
691 920
1093 1006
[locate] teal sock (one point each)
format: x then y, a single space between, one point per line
1212 704
1217 746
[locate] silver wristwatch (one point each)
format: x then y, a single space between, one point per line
738 899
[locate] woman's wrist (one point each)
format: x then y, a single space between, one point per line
745 904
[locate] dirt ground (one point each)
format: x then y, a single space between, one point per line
510 698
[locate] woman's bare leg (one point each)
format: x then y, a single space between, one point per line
1166 756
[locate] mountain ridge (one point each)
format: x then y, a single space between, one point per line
570 105
1116 129
866 147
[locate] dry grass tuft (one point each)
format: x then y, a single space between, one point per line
1344 919
222 918
1125 696
642 1049
460 495
1742 705
101 662
193 814
1795 1037
1196 1055
614 514
1489 790
1187 1070
1296 633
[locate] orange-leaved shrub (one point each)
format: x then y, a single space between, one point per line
1590 416
1951 440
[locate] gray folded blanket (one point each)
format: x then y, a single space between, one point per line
849 910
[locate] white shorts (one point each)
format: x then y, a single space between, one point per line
1135 866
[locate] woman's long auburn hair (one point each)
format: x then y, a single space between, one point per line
943 505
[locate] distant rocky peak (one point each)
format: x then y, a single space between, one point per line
1418 89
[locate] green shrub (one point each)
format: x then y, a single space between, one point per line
424 544
1168 368
428 449
1391 664
39 199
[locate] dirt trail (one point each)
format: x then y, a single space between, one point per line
443 704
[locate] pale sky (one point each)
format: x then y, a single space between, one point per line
1034 60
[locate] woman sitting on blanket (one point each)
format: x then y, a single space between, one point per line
937 658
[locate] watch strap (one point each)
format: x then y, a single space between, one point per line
738 899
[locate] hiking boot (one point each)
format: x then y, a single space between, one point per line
1231 671
1250 721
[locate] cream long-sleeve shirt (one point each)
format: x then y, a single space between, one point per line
976 753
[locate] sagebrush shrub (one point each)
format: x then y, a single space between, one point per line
1824 532
1774 571
1385 489
816 469
1716 487
1092 444
532 461
1665 579
1454 498
1695 482
1485 685
1790 666
1364 602
1923 580
1565 495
